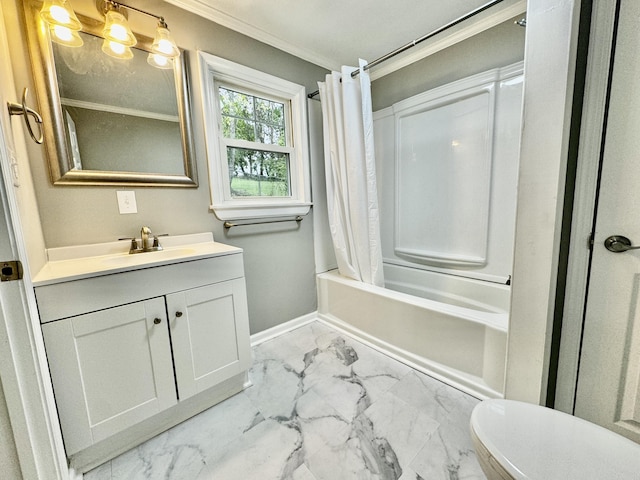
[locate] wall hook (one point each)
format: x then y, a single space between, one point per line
22 109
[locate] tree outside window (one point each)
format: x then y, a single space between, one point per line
252 171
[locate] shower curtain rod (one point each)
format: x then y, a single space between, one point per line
412 44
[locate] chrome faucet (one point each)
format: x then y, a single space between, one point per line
146 239
148 242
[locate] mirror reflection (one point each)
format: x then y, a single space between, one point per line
113 121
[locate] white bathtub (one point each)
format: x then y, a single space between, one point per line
462 346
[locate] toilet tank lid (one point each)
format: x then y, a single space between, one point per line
534 442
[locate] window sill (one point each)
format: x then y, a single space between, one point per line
259 210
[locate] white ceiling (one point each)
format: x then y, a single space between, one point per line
331 33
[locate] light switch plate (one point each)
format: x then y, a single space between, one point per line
127 201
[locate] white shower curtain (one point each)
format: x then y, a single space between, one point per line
351 174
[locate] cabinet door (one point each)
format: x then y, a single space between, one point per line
209 334
110 370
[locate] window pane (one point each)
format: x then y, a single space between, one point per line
255 119
238 128
269 112
269 134
256 173
236 104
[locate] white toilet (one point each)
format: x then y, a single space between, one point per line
516 440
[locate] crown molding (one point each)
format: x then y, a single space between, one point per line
205 10
483 21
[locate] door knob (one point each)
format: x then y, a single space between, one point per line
619 244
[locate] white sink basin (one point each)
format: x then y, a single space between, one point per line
84 261
146 257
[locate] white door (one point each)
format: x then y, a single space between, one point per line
608 389
209 332
12 309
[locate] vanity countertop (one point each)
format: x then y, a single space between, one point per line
84 261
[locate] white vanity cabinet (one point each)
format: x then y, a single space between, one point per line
135 352
110 369
204 334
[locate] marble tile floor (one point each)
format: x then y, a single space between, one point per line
322 407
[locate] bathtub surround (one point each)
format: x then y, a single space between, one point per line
448 166
322 406
350 174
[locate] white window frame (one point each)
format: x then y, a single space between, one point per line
215 72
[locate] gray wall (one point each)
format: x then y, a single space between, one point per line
279 260
499 46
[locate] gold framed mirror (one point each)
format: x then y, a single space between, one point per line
109 121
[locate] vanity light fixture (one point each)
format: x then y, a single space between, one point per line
62 21
119 38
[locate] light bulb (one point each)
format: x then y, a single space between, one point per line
116 50
163 43
65 36
62 33
159 61
117 29
165 46
59 12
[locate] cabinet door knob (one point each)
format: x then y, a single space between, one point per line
157 321
178 314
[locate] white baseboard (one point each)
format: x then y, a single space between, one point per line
273 332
